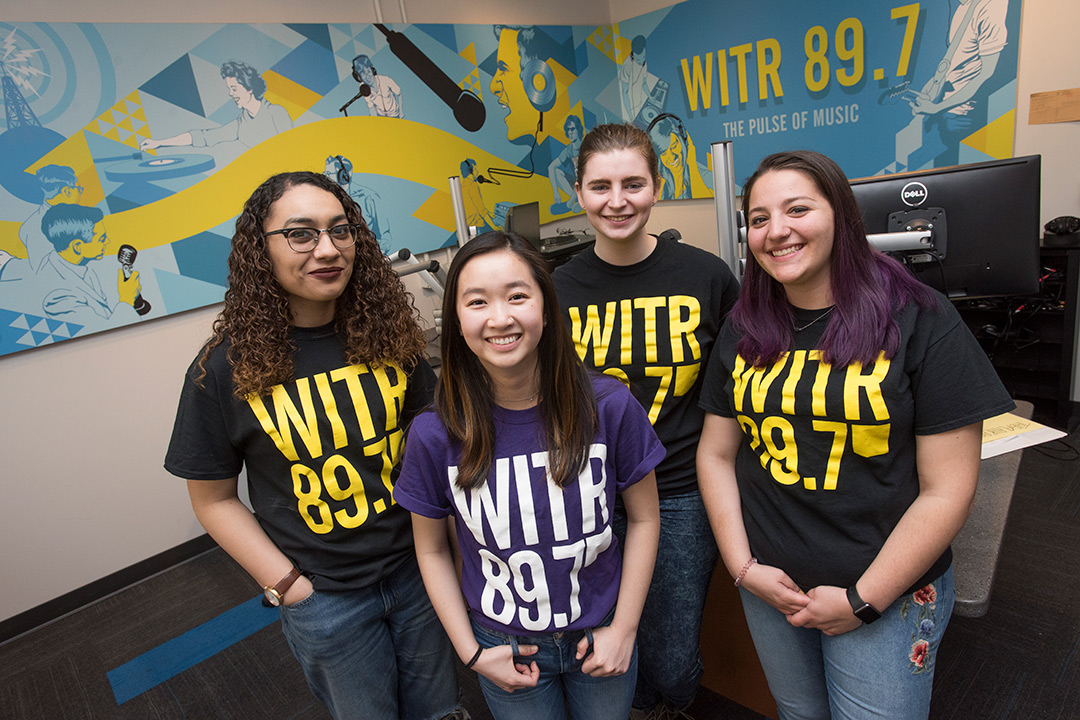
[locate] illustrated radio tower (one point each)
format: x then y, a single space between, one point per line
17 109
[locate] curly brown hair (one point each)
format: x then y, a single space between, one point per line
374 317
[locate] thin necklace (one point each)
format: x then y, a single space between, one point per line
524 399
796 328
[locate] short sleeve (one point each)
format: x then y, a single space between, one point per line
637 449
420 391
953 382
200 447
422 485
714 397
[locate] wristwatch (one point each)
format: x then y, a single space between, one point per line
862 609
274 595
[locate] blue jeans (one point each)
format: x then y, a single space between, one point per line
883 670
378 654
563 690
669 635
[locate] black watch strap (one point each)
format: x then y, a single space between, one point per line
863 610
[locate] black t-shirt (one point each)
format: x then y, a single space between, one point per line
321 454
827 466
652 325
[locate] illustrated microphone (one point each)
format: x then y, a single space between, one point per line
468 108
365 90
126 255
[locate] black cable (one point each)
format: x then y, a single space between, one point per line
520 173
1057 449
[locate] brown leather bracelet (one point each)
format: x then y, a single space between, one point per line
276 594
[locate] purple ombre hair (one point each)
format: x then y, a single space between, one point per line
867 285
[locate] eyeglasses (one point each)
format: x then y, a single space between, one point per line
305 239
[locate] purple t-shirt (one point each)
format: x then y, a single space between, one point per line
536 558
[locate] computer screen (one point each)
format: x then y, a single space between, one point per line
525 221
983 221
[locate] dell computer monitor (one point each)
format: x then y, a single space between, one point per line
982 221
525 221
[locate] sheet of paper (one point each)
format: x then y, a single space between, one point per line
1055 106
1008 432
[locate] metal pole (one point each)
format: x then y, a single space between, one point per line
459 211
727 224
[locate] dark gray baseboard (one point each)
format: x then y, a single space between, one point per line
92 592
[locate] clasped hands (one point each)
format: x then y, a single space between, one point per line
825 608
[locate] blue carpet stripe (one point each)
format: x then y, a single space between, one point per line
154 667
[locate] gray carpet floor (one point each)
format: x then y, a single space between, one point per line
1019 662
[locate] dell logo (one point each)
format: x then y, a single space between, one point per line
913 194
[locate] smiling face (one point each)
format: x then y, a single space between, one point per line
668 141
617 192
500 309
673 152
521 117
790 233
240 94
314 280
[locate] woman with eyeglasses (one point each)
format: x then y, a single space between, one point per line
313 372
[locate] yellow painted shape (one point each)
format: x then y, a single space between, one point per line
75 154
601 38
620 45
469 53
380 145
291 95
9 238
563 79
996 139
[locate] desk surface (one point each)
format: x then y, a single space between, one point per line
978 545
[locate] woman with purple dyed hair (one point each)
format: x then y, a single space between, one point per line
844 403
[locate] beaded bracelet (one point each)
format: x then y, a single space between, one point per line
742 573
468 665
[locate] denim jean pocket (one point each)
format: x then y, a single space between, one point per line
301 604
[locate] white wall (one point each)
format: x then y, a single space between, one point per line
87 422
1050 60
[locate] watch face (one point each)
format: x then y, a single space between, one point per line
867 613
272 597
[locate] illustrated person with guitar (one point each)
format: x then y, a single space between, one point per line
977 35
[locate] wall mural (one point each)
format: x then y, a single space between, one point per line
128 149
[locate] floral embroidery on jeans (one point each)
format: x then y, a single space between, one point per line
923 601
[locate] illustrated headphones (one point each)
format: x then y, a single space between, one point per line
667 116
356 74
536 75
344 175
539 84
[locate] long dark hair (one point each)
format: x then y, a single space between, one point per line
464 395
374 316
867 285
